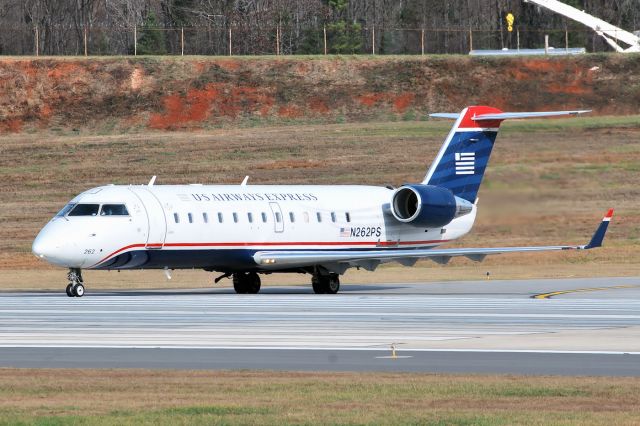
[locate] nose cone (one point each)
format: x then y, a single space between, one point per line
52 244
43 247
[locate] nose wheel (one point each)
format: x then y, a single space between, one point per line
75 288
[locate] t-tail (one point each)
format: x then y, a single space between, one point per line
464 156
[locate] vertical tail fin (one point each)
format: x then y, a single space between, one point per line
463 158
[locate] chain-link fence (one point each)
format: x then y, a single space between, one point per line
283 40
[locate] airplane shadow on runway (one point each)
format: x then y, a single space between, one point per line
345 289
361 289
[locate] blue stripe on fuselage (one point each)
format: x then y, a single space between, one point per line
215 259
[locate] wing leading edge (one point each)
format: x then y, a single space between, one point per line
339 261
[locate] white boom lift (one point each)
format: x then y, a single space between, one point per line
609 32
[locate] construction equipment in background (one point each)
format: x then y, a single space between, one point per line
609 32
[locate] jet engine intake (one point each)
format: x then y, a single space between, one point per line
427 205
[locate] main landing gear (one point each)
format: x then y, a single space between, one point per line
246 282
76 285
325 283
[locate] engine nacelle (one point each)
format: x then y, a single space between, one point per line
428 206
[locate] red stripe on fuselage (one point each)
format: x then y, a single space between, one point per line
276 244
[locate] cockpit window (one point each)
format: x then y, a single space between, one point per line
85 210
114 210
66 209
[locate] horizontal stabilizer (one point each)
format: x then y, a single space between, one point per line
507 115
450 115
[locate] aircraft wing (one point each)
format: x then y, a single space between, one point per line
340 260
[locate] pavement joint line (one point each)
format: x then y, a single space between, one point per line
580 290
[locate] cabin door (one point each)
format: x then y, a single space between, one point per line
157 224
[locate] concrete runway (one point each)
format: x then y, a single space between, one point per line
573 327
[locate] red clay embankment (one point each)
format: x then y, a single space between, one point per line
107 94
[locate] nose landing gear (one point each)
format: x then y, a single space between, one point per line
76 285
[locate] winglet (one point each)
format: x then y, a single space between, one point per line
598 236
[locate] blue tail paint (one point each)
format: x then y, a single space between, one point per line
463 158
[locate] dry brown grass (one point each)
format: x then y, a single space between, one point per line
549 182
170 397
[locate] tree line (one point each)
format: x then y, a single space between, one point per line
214 27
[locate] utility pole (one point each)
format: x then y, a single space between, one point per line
324 31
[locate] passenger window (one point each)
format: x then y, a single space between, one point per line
250 217
220 218
190 216
333 216
305 217
85 210
347 216
292 217
113 210
235 217
66 209
319 217
264 217
278 217
176 217
205 217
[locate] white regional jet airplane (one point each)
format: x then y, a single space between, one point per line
245 230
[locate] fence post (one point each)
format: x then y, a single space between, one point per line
182 41
85 40
229 40
324 31
546 44
566 40
373 40
518 39
422 42
135 40
278 40
470 40
37 42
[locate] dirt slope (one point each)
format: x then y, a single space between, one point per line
116 94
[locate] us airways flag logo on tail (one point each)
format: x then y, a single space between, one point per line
465 163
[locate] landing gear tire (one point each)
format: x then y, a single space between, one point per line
244 283
254 283
317 286
325 284
333 285
70 290
79 290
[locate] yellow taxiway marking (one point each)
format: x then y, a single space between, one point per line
580 290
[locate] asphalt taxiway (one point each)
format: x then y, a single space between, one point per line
566 327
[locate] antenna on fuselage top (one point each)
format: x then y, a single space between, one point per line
244 182
152 181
